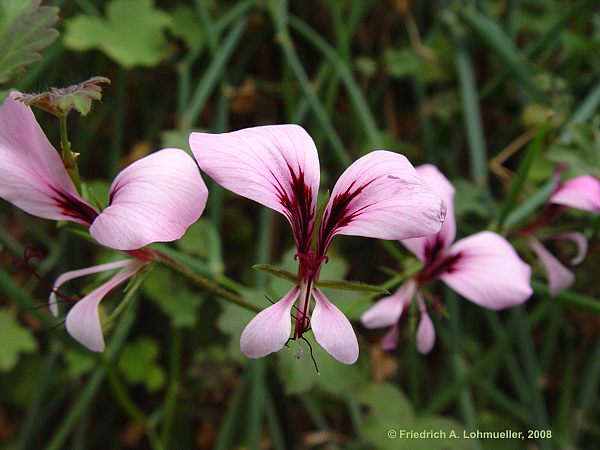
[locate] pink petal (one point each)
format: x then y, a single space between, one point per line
32 175
390 340
425 331
582 192
333 331
275 165
486 270
381 196
68 276
423 247
83 321
270 329
559 277
579 240
388 310
155 199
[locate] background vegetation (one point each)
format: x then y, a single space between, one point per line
465 85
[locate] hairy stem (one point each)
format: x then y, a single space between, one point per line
69 158
204 283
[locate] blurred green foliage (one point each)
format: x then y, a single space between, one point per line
464 85
25 30
132 34
14 340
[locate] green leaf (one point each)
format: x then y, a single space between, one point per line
491 33
133 33
336 268
95 192
78 361
520 178
14 339
138 364
25 30
391 414
300 375
402 63
201 239
469 199
234 319
366 66
184 25
177 139
60 101
173 297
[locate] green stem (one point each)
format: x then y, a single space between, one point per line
77 410
314 412
390 284
479 369
590 380
69 158
228 430
280 18
570 298
204 283
504 401
123 398
119 119
28 428
355 94
510 364
174 375
466 402
470 104
532 372
212 75
121 394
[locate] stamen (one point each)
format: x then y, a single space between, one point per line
28 255
51 329
312 356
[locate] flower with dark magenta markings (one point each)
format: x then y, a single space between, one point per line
380 196
484 268
583 193
154 199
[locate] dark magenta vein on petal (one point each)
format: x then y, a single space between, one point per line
298 207
338 215
73 207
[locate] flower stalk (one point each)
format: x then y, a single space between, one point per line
69 158
203 282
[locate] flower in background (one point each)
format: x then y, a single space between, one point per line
380 195
583 193
484 268
154 199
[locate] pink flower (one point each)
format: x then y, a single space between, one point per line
484 268
155 199
581 193
379 196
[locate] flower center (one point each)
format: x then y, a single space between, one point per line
433 270
310 265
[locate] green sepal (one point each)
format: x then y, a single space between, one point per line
354 286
